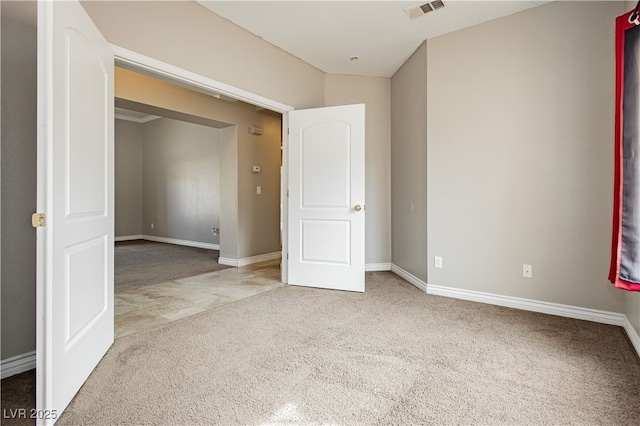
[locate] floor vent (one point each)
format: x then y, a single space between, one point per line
417 11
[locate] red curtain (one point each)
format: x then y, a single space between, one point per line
625 248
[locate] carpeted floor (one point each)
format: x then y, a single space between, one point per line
393 355
18 392
139 263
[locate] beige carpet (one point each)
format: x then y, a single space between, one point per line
18 392
393 355
140 263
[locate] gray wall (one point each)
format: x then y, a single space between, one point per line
632 302
519 142
181 180
409 165
18 185
168 174
129 140
632 310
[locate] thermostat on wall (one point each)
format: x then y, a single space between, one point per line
256 169
255 130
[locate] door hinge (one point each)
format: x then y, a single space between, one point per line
287 193
287 256
288 131
39 220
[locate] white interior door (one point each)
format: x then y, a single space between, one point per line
75 190
326 198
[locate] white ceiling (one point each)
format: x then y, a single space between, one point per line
326 34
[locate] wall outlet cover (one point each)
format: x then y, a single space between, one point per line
437 262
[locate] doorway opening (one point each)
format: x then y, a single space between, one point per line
197 190
180 77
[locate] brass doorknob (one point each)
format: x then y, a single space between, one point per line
357 208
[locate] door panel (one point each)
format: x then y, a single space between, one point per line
75 190
326 168
326 198
326 241
86 173
85 290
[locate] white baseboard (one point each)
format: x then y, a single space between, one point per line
370 267
18 364
576 312
228 261
412 279
249 260
196 244
277 255
129 238
633 334
259 258
595 315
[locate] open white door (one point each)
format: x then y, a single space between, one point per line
75 191
326 197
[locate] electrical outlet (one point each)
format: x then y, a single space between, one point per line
527 271
215 231
258 190
153 225
437 262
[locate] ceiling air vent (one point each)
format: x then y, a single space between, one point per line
417 11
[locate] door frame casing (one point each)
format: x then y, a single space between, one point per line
146 65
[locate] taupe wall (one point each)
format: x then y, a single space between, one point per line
181 181
258 215
520 169
375 93
229 192
409 165
632 302
18 185
254 222
189 36
129 140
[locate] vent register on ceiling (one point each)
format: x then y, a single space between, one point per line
418 11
